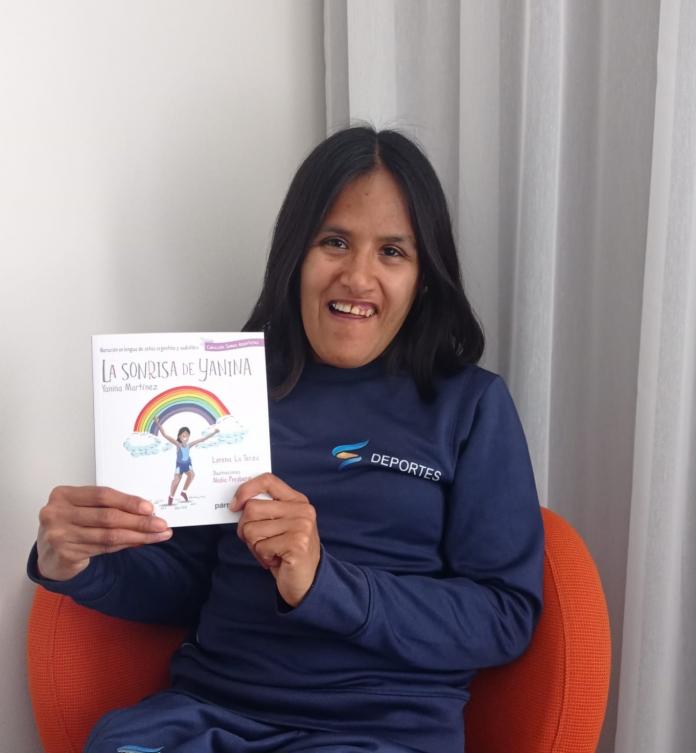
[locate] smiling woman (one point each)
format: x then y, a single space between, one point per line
396 548
356 289
365 224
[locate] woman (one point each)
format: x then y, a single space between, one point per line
402 545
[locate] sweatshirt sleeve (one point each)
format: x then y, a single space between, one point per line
484 611
163 583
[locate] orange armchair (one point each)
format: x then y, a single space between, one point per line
551 700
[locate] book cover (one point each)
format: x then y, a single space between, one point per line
181 419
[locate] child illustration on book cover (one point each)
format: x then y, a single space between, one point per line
181 418
184 464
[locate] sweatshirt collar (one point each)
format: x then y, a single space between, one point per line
323 372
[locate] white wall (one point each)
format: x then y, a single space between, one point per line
145 147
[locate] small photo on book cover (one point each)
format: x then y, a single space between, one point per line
181 419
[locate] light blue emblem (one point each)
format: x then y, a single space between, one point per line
345 452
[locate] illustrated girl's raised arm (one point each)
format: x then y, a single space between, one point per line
202 439
165 435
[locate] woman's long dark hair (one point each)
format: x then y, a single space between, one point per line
441 332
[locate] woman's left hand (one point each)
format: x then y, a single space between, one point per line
280 532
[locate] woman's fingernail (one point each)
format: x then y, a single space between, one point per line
145 507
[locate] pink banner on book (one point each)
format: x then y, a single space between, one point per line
234 344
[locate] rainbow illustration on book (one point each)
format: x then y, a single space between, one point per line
185 399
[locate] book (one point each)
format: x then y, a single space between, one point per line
181 419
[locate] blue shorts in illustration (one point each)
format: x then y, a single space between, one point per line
184 466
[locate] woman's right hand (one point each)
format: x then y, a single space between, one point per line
79 522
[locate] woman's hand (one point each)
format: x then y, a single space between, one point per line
280 532
79 522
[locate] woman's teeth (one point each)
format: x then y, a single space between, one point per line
348 308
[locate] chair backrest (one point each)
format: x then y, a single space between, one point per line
82 664
551 700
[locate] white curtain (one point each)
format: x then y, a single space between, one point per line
565 136
657 699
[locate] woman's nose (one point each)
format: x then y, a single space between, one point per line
358 274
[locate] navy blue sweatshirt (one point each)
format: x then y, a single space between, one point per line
431 563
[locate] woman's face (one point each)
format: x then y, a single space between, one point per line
359 277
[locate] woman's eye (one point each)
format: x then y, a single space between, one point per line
334 242
391 251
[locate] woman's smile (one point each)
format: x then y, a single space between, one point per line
352 310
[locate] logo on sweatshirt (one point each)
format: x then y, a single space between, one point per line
137 749
403 465
346 453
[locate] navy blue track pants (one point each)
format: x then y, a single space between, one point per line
171 722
